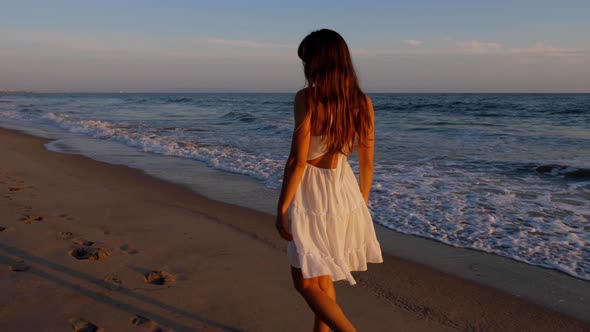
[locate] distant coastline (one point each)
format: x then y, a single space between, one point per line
7 91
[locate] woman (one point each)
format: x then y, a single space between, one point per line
322 212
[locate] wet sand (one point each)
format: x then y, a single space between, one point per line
85 241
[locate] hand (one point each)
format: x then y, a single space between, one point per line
284 226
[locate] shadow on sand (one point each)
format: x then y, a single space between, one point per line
119 305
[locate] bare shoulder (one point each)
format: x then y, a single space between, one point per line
301 95
300 108
300 98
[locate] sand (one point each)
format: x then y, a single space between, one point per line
85 243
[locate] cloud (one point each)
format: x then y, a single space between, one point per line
478 47
246 43
122 46
541 49
413 42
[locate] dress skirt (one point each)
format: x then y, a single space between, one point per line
332 228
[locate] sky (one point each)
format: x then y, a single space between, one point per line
251 46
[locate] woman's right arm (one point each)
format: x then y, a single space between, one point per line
366 148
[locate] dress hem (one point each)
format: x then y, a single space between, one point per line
338 268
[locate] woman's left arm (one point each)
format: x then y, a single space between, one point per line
295 164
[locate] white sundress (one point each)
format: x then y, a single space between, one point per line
332 228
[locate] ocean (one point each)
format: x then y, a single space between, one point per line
507 174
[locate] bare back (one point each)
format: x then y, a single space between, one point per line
328 160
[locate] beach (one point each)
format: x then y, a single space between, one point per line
144 150
224 266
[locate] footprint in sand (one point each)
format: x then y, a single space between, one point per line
157 277
90 253
112 283
82 242
29 218
81 325
7 229
64 216
66 235
61 215
15 189
128 250
146 323
19 266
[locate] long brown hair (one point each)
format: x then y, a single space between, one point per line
332 82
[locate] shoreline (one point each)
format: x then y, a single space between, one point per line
471 216
420 298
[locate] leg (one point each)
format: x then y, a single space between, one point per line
324 306
326 284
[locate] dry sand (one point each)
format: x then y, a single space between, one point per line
84 242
